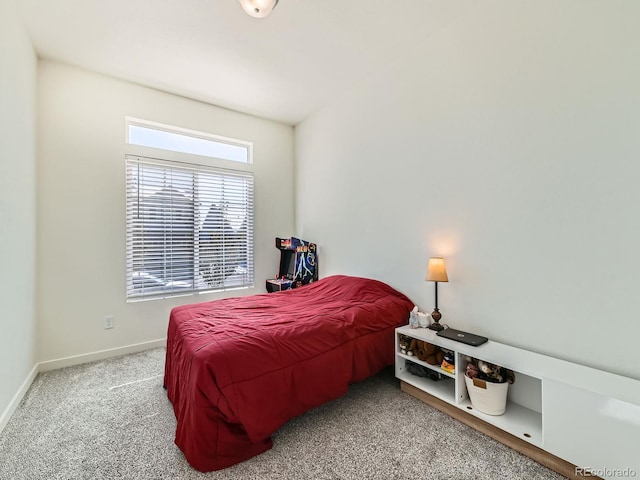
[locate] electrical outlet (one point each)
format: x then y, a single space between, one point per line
108 322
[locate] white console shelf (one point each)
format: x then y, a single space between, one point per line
577 415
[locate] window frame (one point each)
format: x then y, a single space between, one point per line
162 127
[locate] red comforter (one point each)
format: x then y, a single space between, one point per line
237 369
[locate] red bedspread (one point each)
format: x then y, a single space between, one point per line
237 369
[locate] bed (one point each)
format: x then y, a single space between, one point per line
237 369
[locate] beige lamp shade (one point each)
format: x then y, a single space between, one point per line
436 270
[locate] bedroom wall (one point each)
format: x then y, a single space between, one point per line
81 184
17 207
508 143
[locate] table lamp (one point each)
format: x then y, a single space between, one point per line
436 272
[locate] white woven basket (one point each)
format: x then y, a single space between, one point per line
487 397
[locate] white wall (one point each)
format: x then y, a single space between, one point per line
508 143
81 185
17 205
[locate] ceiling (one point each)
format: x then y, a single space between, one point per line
283 67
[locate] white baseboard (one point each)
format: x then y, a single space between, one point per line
17 398
69 362
99 355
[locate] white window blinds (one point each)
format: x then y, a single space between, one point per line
189 228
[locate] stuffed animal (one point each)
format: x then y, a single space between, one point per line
407 345
429 353
472 369
421 350
491 371
494 373
438 358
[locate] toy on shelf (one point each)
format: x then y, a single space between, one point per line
413 317
488 372
449 363
406 344
429 353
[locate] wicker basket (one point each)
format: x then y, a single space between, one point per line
487 397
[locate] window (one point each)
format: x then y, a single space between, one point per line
189 228
166 137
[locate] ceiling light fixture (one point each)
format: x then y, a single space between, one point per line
258 8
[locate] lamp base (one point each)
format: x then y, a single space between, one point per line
436 315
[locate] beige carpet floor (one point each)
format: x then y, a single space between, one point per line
111 420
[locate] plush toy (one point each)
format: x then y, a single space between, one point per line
490 372
438 358
448 362
472 369
429 353
407 345
421 350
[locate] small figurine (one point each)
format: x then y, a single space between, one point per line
413 317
